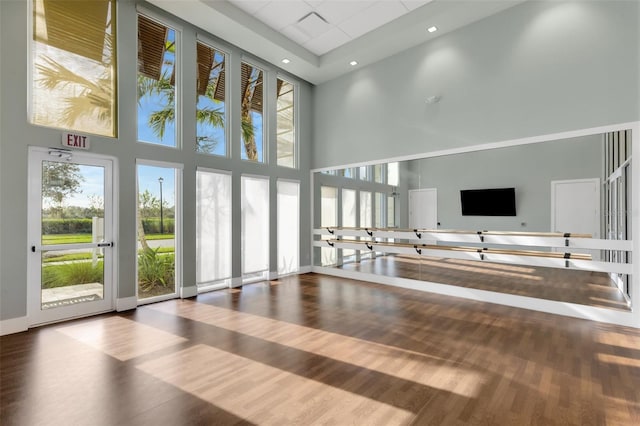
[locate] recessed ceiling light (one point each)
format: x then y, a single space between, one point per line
353 63
285 61
432 29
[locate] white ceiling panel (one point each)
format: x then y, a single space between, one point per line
296 34
327 41
280 14
414 4
251 6
372 18
336 11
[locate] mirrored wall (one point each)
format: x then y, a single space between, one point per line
580 185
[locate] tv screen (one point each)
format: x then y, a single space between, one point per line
488 202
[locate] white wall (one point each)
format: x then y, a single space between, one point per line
538 68
527 168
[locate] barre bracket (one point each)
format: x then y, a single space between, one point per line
418 234
419 251
369 246
370 233
329 230
330 243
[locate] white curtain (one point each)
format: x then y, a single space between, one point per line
255 225
213 227
288 227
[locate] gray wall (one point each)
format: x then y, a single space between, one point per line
17 135
537 68
528 168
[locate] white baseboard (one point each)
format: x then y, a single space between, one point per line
304 270
273 275
187 292
126 303
13 325
236 282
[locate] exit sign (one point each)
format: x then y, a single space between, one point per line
74 140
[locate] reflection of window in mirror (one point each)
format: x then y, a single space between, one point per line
365 173
380 210
329 172
378 173
393 173
391 211
349 172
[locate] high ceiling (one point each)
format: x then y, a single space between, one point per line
321 37
322 25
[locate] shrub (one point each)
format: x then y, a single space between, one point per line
155 269
152 225
72 273
66 226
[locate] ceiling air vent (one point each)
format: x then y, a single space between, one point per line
313 25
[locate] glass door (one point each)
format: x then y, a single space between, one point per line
70 235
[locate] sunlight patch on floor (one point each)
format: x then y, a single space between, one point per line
420 368
121 338
235 383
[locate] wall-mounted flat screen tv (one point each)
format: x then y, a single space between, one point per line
488 202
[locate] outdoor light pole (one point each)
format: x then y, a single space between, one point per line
161 219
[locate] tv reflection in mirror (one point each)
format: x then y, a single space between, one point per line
488 202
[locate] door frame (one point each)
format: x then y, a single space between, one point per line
34 236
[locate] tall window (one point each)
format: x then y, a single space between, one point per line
393 173
74 66
211 112
380 221
378 173
348 220
364 173
328 218
288 227
255 228
286 135
252 113
366 216
157 79
391 211
213 229
157 191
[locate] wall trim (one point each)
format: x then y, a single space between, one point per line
235 282
126 303
14 325
273 275
541 305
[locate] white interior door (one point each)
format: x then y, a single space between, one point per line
423 208
575 207
71 229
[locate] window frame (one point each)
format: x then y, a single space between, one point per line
296 119
171 24
228 103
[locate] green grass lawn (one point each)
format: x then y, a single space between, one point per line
86 238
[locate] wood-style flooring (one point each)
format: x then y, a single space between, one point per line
319 350
562 285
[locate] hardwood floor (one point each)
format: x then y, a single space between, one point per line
562 285
315 349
